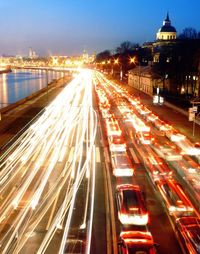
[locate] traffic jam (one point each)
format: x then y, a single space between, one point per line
170 160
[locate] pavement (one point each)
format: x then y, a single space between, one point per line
170 113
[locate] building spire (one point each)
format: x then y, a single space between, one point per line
167 18
167 21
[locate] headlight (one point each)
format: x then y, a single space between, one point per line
172 209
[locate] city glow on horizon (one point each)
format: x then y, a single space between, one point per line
66 27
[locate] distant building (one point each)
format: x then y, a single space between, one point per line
167 31
32 54
87 59
143 77
175 61
144 80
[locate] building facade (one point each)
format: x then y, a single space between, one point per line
142 77
144 80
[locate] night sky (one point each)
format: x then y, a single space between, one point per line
66 27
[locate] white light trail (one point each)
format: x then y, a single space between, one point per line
42 160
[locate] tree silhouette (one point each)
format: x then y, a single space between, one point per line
102 56
189 33
126 47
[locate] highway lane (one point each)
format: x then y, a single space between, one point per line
44 170
165 223
59 167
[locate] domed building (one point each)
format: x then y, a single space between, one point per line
167 31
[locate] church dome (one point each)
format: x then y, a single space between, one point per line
167 31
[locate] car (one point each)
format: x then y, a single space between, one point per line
157 168
174 135
161 125
189 148
188 229
124 109
176 201
131 205
143 110
167 151
121 164
116 143
112 126
144 137
151 117
139 125
136 242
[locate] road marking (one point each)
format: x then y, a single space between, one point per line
111 202
106 154
98 158
135 158
108 224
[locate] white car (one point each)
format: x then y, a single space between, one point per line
174 136
121 165
116 144
144 137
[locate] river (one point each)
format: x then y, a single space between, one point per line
19 84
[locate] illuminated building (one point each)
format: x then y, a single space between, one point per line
167 31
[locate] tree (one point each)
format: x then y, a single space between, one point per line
102 56
126 47
189 33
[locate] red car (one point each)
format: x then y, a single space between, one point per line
131 205
136 242
189 230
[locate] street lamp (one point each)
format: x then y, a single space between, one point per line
135 61
115 62
132 60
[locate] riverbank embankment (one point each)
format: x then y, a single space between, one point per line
17 115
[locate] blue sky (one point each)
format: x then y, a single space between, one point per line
66 27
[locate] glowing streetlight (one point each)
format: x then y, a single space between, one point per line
132 60
116 61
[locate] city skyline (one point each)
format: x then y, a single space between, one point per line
67 28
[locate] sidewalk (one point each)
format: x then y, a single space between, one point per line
170 114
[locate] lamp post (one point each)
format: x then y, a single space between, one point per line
108 66
116 62
134 61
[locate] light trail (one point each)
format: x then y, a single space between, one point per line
38 162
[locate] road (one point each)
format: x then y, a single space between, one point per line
154 162
47 171
58 191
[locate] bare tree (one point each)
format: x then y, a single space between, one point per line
126 46
189 33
